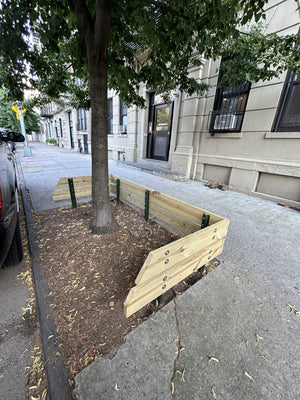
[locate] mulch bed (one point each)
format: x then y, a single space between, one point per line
89 277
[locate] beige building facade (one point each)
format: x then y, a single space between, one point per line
70 128
247 137
249 141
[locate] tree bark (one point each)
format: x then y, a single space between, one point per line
96 33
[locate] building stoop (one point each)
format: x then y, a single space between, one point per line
151 169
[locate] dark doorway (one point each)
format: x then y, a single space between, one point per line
159 128
71 129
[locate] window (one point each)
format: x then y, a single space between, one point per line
229 107
48 130
288 113
110 117
81 119
55 126
123 117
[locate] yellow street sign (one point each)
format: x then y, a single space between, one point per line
15 109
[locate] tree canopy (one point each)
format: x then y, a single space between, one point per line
171 36
122 44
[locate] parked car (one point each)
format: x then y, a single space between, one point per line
10 237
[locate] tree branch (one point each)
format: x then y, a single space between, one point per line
82 13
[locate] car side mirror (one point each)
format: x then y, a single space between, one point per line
15 136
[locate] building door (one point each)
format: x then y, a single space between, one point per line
159 129
85 144
71 129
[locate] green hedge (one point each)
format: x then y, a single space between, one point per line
51 140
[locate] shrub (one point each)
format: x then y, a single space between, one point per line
51 141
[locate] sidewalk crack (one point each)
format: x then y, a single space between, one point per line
179 351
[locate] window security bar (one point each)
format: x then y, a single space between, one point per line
224 121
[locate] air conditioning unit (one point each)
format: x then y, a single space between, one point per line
122 129
225 121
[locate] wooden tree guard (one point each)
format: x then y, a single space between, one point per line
168 265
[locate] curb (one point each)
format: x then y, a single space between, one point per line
56 370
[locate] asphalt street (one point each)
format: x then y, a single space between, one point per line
15 334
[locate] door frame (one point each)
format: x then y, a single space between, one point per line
70 120
85 144
151 135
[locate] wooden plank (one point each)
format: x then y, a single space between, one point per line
181 224
112 181
171 254
129 191
113 178
82 186
141 295
181 208
131 198
62 194
77 180
132 187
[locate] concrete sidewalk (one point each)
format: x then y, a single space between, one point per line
232 335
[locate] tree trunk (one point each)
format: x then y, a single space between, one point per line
97 40
103 221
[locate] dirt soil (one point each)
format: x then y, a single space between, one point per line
89 277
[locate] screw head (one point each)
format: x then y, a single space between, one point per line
167 252
165 278
164 286
166 261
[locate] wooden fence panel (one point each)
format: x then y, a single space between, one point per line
179 250
140 295
178 207
175 220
